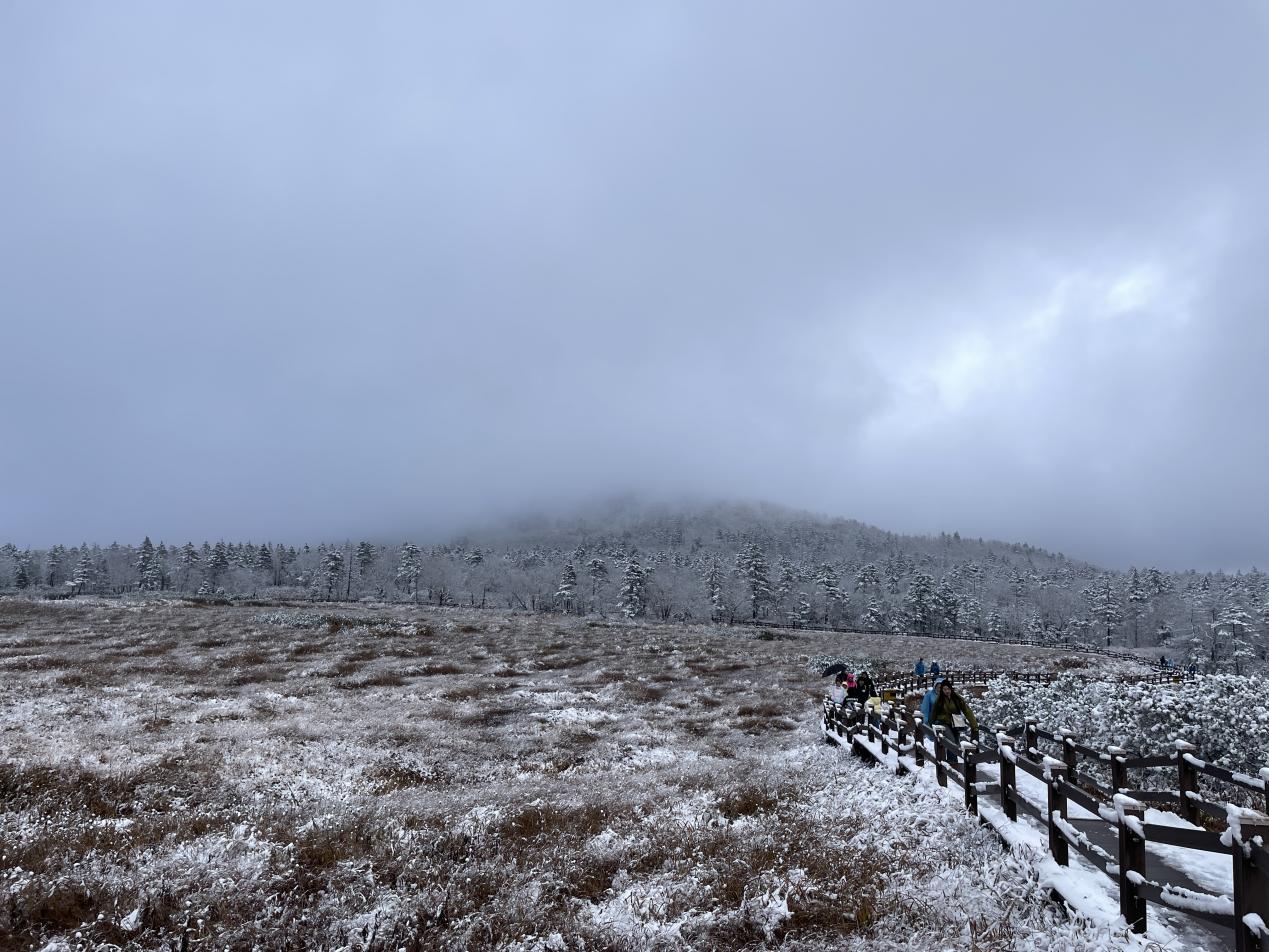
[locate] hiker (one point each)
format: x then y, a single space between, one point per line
866 686
1163 662
919 670
853 690
838 692
934 669
951 712
927 702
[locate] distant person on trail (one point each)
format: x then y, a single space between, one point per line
934 669
919 670
952 713
1163 662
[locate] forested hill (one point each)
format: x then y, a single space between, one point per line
726 562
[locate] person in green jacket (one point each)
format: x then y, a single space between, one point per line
951 712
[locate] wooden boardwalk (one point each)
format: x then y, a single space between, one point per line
1202 863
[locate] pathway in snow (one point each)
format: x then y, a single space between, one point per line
1085 887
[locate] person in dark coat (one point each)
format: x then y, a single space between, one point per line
919 670
951 712
866 685
934 669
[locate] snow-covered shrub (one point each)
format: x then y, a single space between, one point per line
1224 715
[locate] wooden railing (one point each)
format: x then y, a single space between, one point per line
890 735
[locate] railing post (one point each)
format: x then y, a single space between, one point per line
1070 757
1008 776
918 743
1187 779
1132 862
1058 846
901 740
968 751
1251 886
1118 772
940 766
1029 739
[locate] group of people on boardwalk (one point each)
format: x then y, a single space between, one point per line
848 687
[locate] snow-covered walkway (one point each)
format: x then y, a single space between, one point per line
1081 884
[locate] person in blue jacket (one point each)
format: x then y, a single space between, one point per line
934 669
919 670
927 702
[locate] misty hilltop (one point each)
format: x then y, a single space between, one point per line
716 562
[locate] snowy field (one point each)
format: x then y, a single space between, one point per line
255 778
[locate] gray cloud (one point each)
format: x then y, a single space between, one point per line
313 270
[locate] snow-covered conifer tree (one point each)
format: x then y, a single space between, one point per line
919 600
874 616
566 592
1103 604
597 571
751 564
332 570
408 568
632 597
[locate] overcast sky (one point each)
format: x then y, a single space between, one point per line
308 270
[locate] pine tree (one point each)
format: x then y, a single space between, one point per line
217 563
994 624
162 566
826 579
408 568
632 598
874 617
189 559
786 580
85 571
333 570
752 566
149 578
713 578
1135 598
946 606
264 562
868 579
365 558
1103 604
920 600
22 569
802 612
1234 625
567 589
475 558
597 571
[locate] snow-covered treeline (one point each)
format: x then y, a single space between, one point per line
723 563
